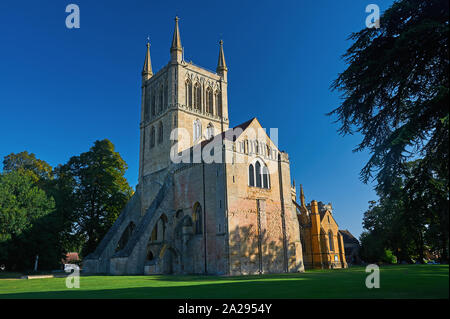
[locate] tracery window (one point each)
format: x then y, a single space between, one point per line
160 133
251 175
153 103
209 101
258 175
218 98
197 97
189 93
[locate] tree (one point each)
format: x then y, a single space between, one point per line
27 163
395 92
100 191
22 204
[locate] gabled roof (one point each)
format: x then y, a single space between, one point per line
348 237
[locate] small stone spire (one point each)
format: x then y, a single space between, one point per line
302 196
221 65
176 49
147 71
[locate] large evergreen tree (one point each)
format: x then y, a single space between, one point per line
100 191
395 92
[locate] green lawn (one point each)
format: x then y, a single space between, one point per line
410 281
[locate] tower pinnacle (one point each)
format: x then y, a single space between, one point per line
302 196
147 71
176 49
221 65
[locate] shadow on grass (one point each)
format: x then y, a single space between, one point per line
396 282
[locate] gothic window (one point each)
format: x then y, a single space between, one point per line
330 240
175 120
152 137
258 174
147 109
218 98
160 133
251 175
209 101
197 97
189 93
161 100
210 131
197 129
153 103
197 216
166 94
265 177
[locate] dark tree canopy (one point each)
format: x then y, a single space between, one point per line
100 191
396 88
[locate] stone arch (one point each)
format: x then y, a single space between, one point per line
197 218
126 235
170 259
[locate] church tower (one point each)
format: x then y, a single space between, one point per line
180 96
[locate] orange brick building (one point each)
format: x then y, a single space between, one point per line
322 243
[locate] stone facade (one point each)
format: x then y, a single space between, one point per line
230 216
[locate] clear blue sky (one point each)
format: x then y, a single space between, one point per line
62 89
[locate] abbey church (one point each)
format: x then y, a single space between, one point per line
211 199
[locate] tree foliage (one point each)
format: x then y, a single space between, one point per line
22 205
396 88
49 212
100 191
395 93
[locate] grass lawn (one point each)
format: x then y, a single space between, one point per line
402 281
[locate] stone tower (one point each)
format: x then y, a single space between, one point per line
180 96
234 215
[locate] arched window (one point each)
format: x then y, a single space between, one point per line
197 129
266 183
258 174
330 240
198 219
153 103
251 175
189 93
160 133
166 94
218 99
210 131
197 97
161 99
209 101
152 137
147 109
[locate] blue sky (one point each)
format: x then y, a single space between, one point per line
61 89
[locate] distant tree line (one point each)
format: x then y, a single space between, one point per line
48 212
395 93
